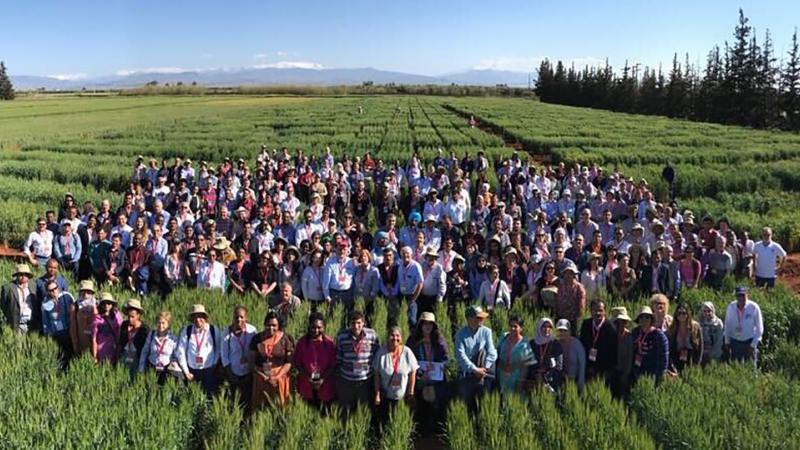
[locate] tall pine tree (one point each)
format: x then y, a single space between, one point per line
790 87
6 88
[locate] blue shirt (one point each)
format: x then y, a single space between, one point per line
55 316
337 275
469 344
408 278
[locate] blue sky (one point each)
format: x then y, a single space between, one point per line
88 39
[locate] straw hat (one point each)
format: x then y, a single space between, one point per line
292 248
620 313
644 311
87 285
134 304
197 309
430 252
222 244
549 295
428 317
571 268
23 269
107 297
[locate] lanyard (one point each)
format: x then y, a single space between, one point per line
132 334
596 332
160 347
342 269
543 352
395 355
640 341
357 346
199 341
270 347
740 315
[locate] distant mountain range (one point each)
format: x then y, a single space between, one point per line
271 76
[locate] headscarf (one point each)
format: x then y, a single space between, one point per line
415 215
702 318
540 339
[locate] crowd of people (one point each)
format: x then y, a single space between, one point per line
297 228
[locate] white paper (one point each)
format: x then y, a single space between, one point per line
434 371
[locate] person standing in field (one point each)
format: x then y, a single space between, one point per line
199 349
337 276
20 307
159 348
38 247
744 327
356 348
769 259
271 353
106 330
85 312
133 334
476 355
315 361
395 368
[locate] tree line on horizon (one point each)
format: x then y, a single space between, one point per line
741 84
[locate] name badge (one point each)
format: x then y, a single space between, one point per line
199 360
243 361
592 354
638 361
59 325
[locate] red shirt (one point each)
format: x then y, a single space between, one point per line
319 356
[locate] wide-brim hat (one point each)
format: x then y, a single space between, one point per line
428 317
134 304
645 310
637 227
571 268
222 244
86 285
277 239
620 313
106 297
595 255
430 252
197 309
511 251
549 294
458 258
291 248
431 218
23 269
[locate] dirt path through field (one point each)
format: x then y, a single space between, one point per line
541 159
10 253
791 272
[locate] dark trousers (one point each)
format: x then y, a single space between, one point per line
740 352
207 379
426 303
470 389
350 393
765 282
242 385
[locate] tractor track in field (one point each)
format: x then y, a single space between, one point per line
542 157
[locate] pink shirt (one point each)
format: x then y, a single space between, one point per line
322 354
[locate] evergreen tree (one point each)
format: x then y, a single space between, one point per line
544 82
738 81
790 87
6 88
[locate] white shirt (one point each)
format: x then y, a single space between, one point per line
197 351
211 275
767 258
432 238
337 274
744 325
305 230
457 211
311 284
158 350
42 244
434 282
393 384
236 350
25 307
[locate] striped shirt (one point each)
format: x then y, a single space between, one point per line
354 357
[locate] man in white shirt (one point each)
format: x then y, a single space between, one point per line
198 350
446 255
456 207
433 237
235 356
744 326
39 245
337 276
434 284
769 259
211 274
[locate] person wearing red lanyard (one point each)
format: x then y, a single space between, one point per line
18 302
432 388
159 347
744 326
514 354
574 354
356 347
395 374
685 339
133 335
650 347
620 381
548 368
494 291
271 353
315 361
198 350
337 276
434 285
446 254
367 277
235 356
599 340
